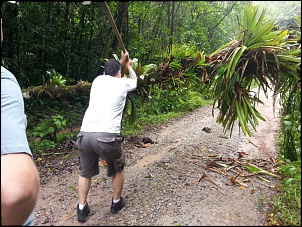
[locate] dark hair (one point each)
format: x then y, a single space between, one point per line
112 66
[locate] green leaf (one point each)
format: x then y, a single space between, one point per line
289 58
287 123
257 34
281 35
255 169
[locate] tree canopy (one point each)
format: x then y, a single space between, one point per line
75 39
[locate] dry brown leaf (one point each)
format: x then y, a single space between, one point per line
142 145
207 178
146 145
212 155
241 154
233 180
102 162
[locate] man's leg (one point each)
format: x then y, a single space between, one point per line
118 184
83 209
118 201
83 189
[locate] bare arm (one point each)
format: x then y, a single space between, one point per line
127 62
124 58
132 74
20 183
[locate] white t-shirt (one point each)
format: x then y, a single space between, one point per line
107 100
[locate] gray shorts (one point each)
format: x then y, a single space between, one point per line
93 145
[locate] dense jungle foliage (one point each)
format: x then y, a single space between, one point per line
74 39
186 54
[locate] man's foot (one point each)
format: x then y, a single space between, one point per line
83 214
116 207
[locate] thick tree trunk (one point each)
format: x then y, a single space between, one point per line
59 92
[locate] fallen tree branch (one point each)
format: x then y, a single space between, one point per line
59 92
50 154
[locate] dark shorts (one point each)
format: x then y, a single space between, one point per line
93 145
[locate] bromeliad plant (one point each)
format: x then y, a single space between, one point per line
181 68
262 56
55 78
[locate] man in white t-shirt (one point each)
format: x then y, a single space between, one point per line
100 132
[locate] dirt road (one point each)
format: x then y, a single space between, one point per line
187 177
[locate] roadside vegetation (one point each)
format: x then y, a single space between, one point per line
287 203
